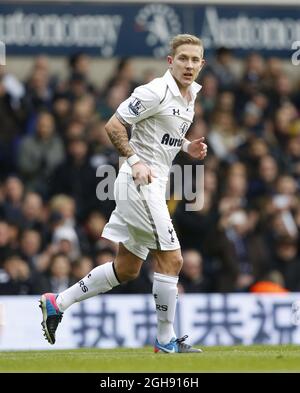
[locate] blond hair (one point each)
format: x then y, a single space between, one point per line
182 39
60 202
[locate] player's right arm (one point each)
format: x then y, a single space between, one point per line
118 136
143 103
117 133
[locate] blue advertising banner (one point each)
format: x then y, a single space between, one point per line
145 29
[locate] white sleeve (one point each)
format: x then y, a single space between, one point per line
142 103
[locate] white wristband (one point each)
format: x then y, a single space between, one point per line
185 146
133 159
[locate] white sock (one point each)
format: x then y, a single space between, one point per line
165 294
100 280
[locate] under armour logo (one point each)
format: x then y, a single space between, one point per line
89 275
171 230
155 296
176 112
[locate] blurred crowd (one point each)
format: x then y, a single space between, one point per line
245 237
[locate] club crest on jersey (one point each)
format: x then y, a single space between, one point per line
183 128
136 107
167 140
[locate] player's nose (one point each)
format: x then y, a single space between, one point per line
189 64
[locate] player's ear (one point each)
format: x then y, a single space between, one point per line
170 60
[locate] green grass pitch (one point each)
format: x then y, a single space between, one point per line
256 358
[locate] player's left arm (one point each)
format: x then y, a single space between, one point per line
196 148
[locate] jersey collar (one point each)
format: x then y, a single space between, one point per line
194 88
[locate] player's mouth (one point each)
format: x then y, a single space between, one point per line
188 75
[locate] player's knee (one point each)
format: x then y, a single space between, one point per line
132 275
125 275
175 261
170 265
178 262
129 276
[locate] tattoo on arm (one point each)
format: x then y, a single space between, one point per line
119 139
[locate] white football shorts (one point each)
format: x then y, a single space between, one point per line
141 220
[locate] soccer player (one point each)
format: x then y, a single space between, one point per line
160 114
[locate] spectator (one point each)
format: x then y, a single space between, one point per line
192 277
39 93
34 215
241 252
102 151
209 93
66 241
65 206
84 111
272 282
124 75
81 267
13 117
16 278
78 86
105 254
40 154
191 226
287 261
93 228
30 247
61 108
76 177
6 248
13 193
224 137
80 63
262 184
223 66
58 277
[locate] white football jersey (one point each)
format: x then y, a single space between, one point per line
160 118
